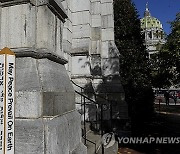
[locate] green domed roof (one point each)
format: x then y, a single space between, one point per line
150 22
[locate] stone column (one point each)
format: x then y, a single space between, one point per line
46 119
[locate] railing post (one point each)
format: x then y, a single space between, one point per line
96 112
111 114
81 103
84 121
102 127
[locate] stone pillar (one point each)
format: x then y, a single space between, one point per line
81 41
46 119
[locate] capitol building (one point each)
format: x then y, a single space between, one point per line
152 30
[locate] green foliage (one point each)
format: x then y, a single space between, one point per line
166 63
134 65
173 47
134 62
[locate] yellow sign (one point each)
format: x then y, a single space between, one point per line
7 101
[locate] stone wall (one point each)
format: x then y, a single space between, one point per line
89 46
87 34
46 119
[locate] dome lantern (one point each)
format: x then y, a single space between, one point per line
147 12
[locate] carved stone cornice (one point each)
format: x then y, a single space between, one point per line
39 54
55 6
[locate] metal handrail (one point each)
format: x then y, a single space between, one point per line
91 92
77 84
85 138
92 143
85 97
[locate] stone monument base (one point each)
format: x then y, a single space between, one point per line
52 135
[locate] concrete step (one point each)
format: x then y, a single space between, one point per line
111 150
93 142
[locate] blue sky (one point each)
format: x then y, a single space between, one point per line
164 10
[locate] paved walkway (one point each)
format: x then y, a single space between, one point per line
128 151
162 100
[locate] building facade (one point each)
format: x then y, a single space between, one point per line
56 41
46 120
152 30
88 43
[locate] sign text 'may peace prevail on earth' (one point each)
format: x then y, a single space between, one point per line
7 83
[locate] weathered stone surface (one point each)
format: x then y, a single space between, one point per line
46 28
106 8
96 65
81 45
96 20
107 34
27 78
102 50
105 49
107 21
74 130
80 65
113 51
53 77
69 14
96 34
57 135
67 46
42 84
60 135
47 33
96 8
69 132
58 36
79 18
96 47
67 35
28 104
46 120
81 31
68 66
110 66
95 0
21 18
69 3
55 5
29 136
81 149
55 103
81 5
106 1
68 25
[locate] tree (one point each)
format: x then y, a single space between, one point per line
134 63
173 47
166 63
134 58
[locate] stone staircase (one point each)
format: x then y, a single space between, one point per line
93 109
93 140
